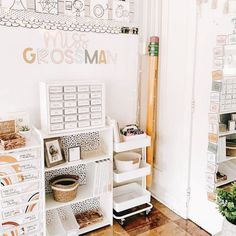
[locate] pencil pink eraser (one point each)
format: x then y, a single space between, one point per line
154 39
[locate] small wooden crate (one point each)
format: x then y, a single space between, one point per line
9 139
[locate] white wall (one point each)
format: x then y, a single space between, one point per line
175 92
19 80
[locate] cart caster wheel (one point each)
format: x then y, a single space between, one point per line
147 212
122 222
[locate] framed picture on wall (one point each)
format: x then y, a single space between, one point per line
74 153
54 154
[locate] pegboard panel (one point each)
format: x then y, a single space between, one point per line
80 170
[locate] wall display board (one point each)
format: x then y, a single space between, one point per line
212 164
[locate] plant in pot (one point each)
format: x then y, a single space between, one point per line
226 201
25 131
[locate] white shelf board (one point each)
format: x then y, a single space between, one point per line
221 134
83 194
144 170
229 180
227 112
33 143
44 135
132 144
229 170
87 157
92 227
227 159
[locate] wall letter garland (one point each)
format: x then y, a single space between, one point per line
98 16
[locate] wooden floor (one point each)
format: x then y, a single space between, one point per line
161 221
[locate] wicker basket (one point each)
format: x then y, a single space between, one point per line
64 187
231 150
9 139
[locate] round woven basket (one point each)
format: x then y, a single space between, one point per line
64 187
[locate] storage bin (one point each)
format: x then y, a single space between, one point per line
14 157
24 219
9 139
54 226
18 211
231 149
64 187
19 200
127 161
128 196
14 190
68 221
19 178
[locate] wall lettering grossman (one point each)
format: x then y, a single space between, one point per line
70 48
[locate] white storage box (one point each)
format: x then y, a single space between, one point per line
62 99
128 196
14 190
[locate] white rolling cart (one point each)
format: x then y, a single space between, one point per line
130 187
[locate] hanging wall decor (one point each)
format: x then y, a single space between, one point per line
99 16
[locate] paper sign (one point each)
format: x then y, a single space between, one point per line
210 178
218 52
211 168
212 138
221 39
216 86
218 63
212 148
217 75
214 107
213 118
215 97
213 128
211 157
232 38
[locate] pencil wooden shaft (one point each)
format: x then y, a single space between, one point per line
152 111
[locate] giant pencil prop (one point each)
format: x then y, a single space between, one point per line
152 101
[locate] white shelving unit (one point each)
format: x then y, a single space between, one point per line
130 187
96 147
22 189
